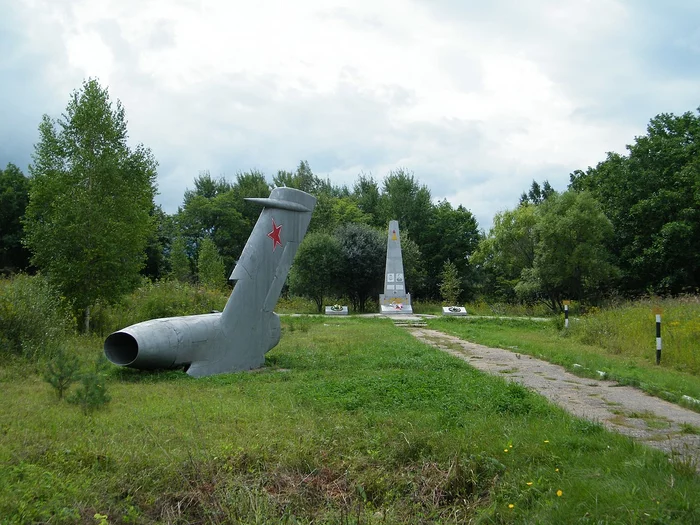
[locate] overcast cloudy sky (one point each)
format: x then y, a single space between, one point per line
477 98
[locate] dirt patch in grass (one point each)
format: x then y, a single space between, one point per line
604 401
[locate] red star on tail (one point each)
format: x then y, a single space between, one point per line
275 235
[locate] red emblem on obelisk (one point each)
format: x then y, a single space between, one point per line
275 235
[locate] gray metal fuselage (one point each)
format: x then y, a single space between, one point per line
177 342
238 337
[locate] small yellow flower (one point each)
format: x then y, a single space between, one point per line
546 441
559 493
529 483
510 505
505 450
556 470
511 446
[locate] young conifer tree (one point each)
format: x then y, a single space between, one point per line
450 283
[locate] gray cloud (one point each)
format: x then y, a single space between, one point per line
605 68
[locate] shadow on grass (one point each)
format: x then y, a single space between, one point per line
132 375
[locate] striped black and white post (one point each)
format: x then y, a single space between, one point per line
658 338
566 316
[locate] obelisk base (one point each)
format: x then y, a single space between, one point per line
392 304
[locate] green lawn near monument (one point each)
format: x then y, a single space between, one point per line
352 421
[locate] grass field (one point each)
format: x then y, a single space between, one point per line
352 421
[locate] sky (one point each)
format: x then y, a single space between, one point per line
477 99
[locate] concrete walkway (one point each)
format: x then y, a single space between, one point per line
623 409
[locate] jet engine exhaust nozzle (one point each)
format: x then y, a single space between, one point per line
121 348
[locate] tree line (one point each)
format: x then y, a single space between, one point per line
85 217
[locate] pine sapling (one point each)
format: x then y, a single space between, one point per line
92 392
450 284
61 372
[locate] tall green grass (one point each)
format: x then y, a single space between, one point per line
629 329
152 300
352 421
34 319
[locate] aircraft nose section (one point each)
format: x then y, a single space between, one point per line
121 348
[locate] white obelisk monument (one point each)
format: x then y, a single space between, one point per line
395 299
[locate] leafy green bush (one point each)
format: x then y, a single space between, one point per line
34 320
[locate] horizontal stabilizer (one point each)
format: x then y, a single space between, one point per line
279 204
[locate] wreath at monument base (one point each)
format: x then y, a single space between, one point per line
337 308
455 309
396 304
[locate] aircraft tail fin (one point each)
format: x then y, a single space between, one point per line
267 257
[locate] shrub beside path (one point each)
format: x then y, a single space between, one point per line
623 409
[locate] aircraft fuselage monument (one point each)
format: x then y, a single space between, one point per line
395 299
237 338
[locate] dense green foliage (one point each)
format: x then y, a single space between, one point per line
210 266
159 245
507 250
363 251
180 267
213 210
14 195
352 422
450 234
317 268
88 219
652 197
551 251
570 251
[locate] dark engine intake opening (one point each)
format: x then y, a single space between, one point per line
121 348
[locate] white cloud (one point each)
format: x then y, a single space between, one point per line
477 99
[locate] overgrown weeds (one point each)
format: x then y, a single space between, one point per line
152 300
34 320
628 329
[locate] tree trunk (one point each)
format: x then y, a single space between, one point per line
86 319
